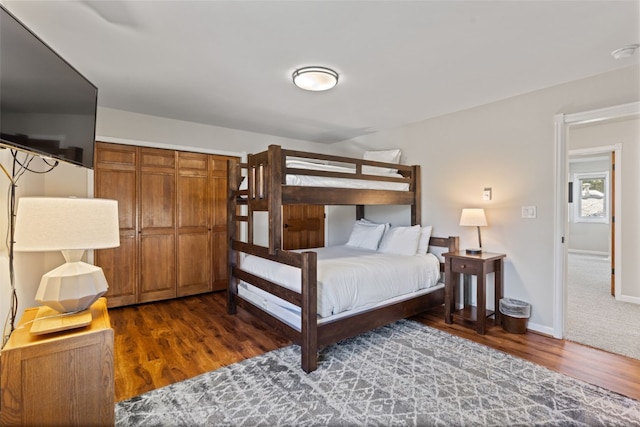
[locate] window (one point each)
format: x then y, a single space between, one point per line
591 197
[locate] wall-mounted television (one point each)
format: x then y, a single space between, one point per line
46 106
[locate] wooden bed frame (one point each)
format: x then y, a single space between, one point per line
267 191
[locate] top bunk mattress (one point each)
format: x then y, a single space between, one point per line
323 181
351 278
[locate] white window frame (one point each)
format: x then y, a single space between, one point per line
577 197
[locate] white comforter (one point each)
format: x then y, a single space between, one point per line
351 278
323 181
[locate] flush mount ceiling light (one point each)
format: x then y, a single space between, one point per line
625 51
315 78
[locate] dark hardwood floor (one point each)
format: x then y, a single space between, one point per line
160 343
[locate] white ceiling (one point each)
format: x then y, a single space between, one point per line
229 63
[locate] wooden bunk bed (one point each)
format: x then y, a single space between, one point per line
267 190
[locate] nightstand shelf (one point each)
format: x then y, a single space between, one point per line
461 263
470 313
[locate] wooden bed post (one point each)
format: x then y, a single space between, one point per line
309 344
251 191
274 190
416 207
359 212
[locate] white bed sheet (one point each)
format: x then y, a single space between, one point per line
351 278
322 181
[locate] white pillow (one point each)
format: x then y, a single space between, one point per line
423 244
386 156
368 221
401 240
365 236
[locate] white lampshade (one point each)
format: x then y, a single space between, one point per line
66 223
70 225
473 217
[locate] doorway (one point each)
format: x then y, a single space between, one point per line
563 122
589 285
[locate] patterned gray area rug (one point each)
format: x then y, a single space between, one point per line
402 374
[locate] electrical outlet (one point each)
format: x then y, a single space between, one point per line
528 212
486 194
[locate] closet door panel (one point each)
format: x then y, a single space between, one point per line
121 271
219 242
115 178
194 202
157 267
194 224
157 229
194 271
157 200
119 185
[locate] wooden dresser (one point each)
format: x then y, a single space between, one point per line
62 378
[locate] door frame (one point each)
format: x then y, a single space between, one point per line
562 123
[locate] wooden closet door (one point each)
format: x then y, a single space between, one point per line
157 201
115 178
303 226
219 237
194 224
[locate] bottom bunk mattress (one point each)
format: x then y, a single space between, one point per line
349 280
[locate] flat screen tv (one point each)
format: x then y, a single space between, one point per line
46 106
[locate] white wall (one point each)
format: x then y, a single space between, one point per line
64 180
23 292
508 146
140 129
627 133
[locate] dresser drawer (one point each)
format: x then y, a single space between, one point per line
465 266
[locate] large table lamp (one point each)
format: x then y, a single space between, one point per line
71 225
475 218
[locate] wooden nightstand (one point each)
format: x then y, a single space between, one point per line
478 265
61 378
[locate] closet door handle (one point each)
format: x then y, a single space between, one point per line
286 226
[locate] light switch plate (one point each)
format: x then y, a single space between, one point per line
529 212
486 194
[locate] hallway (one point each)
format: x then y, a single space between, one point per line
594 317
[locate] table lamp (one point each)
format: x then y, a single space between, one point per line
476 218
71 225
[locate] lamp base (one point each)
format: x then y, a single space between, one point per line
48 320
73 286
474 251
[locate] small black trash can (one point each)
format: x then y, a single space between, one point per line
515 314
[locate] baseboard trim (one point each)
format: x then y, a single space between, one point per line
540 329
627 298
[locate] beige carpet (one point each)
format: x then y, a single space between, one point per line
594 317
